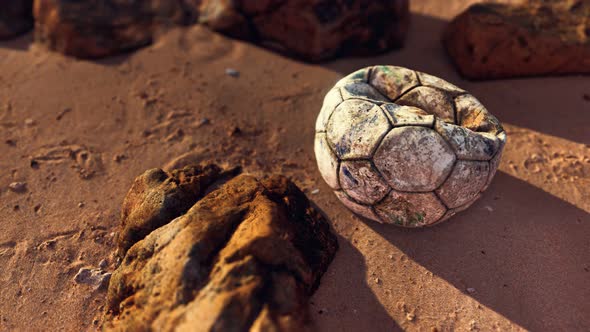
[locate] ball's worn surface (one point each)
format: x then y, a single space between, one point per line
407 148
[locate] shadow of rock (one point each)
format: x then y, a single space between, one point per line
523 251
552 105
344 301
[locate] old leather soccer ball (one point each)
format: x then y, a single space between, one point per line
403 147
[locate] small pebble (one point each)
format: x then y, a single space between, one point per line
377 280
488 208
29 122
232 72
81 204
470 290
315 191
18 187
410 316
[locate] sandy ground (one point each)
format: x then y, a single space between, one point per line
519 258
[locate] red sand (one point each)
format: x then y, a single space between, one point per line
517 259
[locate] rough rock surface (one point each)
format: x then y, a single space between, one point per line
312 29
405 147
15 17
246 256
97 28
491 40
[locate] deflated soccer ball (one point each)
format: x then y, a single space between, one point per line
403 147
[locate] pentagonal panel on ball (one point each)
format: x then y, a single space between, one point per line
327 161
407 115
355 128
410 209
433 101
465 182
362 182
414 159
393 81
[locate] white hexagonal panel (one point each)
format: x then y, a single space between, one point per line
355 128
393 81
467 144
410 209
464 184
361 210
432 100
327 161
407 116
362 182
332 99
414 159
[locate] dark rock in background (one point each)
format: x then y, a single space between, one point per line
97 28
539 37
16 17
313 30
246 256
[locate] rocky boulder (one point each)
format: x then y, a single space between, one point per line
245 256
97 28
491 40
313 30
16 17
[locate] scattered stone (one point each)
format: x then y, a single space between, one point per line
29 122
470 290
246 256
203 122
493 40
377 280
489 208
156 197
312 30
93 277
18 187
410 317
97 28
34 164
15 17
315 191
62 113
232 72
81 204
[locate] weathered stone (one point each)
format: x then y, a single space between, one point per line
414 159
393 81
407 116
467 144
362 182
156 197
471 114
410 209
464 184
333 98
97 28
363 91
310 29
435 82
244 257
365 211
433 101
355 128
537 37
16 17
327 161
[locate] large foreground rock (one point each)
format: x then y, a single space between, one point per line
97 28
16 17
246 256
310 29
536 38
